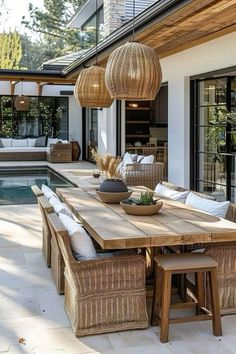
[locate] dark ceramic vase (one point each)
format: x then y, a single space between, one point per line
113 185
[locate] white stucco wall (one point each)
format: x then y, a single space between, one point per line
75 112
177 69
107 130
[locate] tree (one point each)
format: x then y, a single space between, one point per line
32 54
10 50
51 24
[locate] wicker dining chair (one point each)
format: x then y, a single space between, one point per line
45 208
105 294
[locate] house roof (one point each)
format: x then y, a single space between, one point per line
168 26
57 64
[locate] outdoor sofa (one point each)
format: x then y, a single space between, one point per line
35 149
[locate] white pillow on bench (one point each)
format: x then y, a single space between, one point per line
163 191
81 243
48 192
7 142
209 206
60 207
147 159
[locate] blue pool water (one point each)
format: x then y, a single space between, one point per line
15 184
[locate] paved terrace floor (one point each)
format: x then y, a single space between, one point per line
31 310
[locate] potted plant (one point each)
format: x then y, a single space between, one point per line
112 189
145 205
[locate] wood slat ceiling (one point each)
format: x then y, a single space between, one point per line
195 23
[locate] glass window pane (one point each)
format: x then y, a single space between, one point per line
216 191
212 168
212 139
212 115
213 92
233 91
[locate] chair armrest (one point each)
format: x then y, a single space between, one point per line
37 191
119 273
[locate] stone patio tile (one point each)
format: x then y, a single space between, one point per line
156 348
132 338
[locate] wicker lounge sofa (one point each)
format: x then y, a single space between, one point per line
24 150
101 295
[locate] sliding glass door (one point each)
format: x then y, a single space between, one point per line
215 137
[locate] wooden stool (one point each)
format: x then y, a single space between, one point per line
182 263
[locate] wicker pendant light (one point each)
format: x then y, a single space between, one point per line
21 102
133 72
90 89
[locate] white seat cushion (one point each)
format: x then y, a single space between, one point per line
31 142
19 142
147 159
60 207
81 243
163 191
48 192
209 206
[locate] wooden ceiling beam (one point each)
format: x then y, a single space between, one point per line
12 85
40 87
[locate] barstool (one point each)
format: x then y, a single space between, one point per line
182 263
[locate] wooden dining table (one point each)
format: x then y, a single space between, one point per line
175 224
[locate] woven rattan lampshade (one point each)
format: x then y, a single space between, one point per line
22 103
90 89
133 72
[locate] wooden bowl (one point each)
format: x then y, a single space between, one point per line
141 210
114 197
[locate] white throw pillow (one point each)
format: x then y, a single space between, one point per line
6 142
81 243
19 142
52 141
139 158
209 206
31 142
60 207
163 191
48 192
147 159
127 159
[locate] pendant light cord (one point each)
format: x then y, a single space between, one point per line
96 32
133 17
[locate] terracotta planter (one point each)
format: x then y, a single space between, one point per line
141 210
113 185
113 197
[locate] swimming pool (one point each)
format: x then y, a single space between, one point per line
15 183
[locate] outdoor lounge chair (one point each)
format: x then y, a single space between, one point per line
102 295
45 208
147 175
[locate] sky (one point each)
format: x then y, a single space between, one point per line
16 9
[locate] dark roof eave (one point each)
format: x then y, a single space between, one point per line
155 12
27 73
